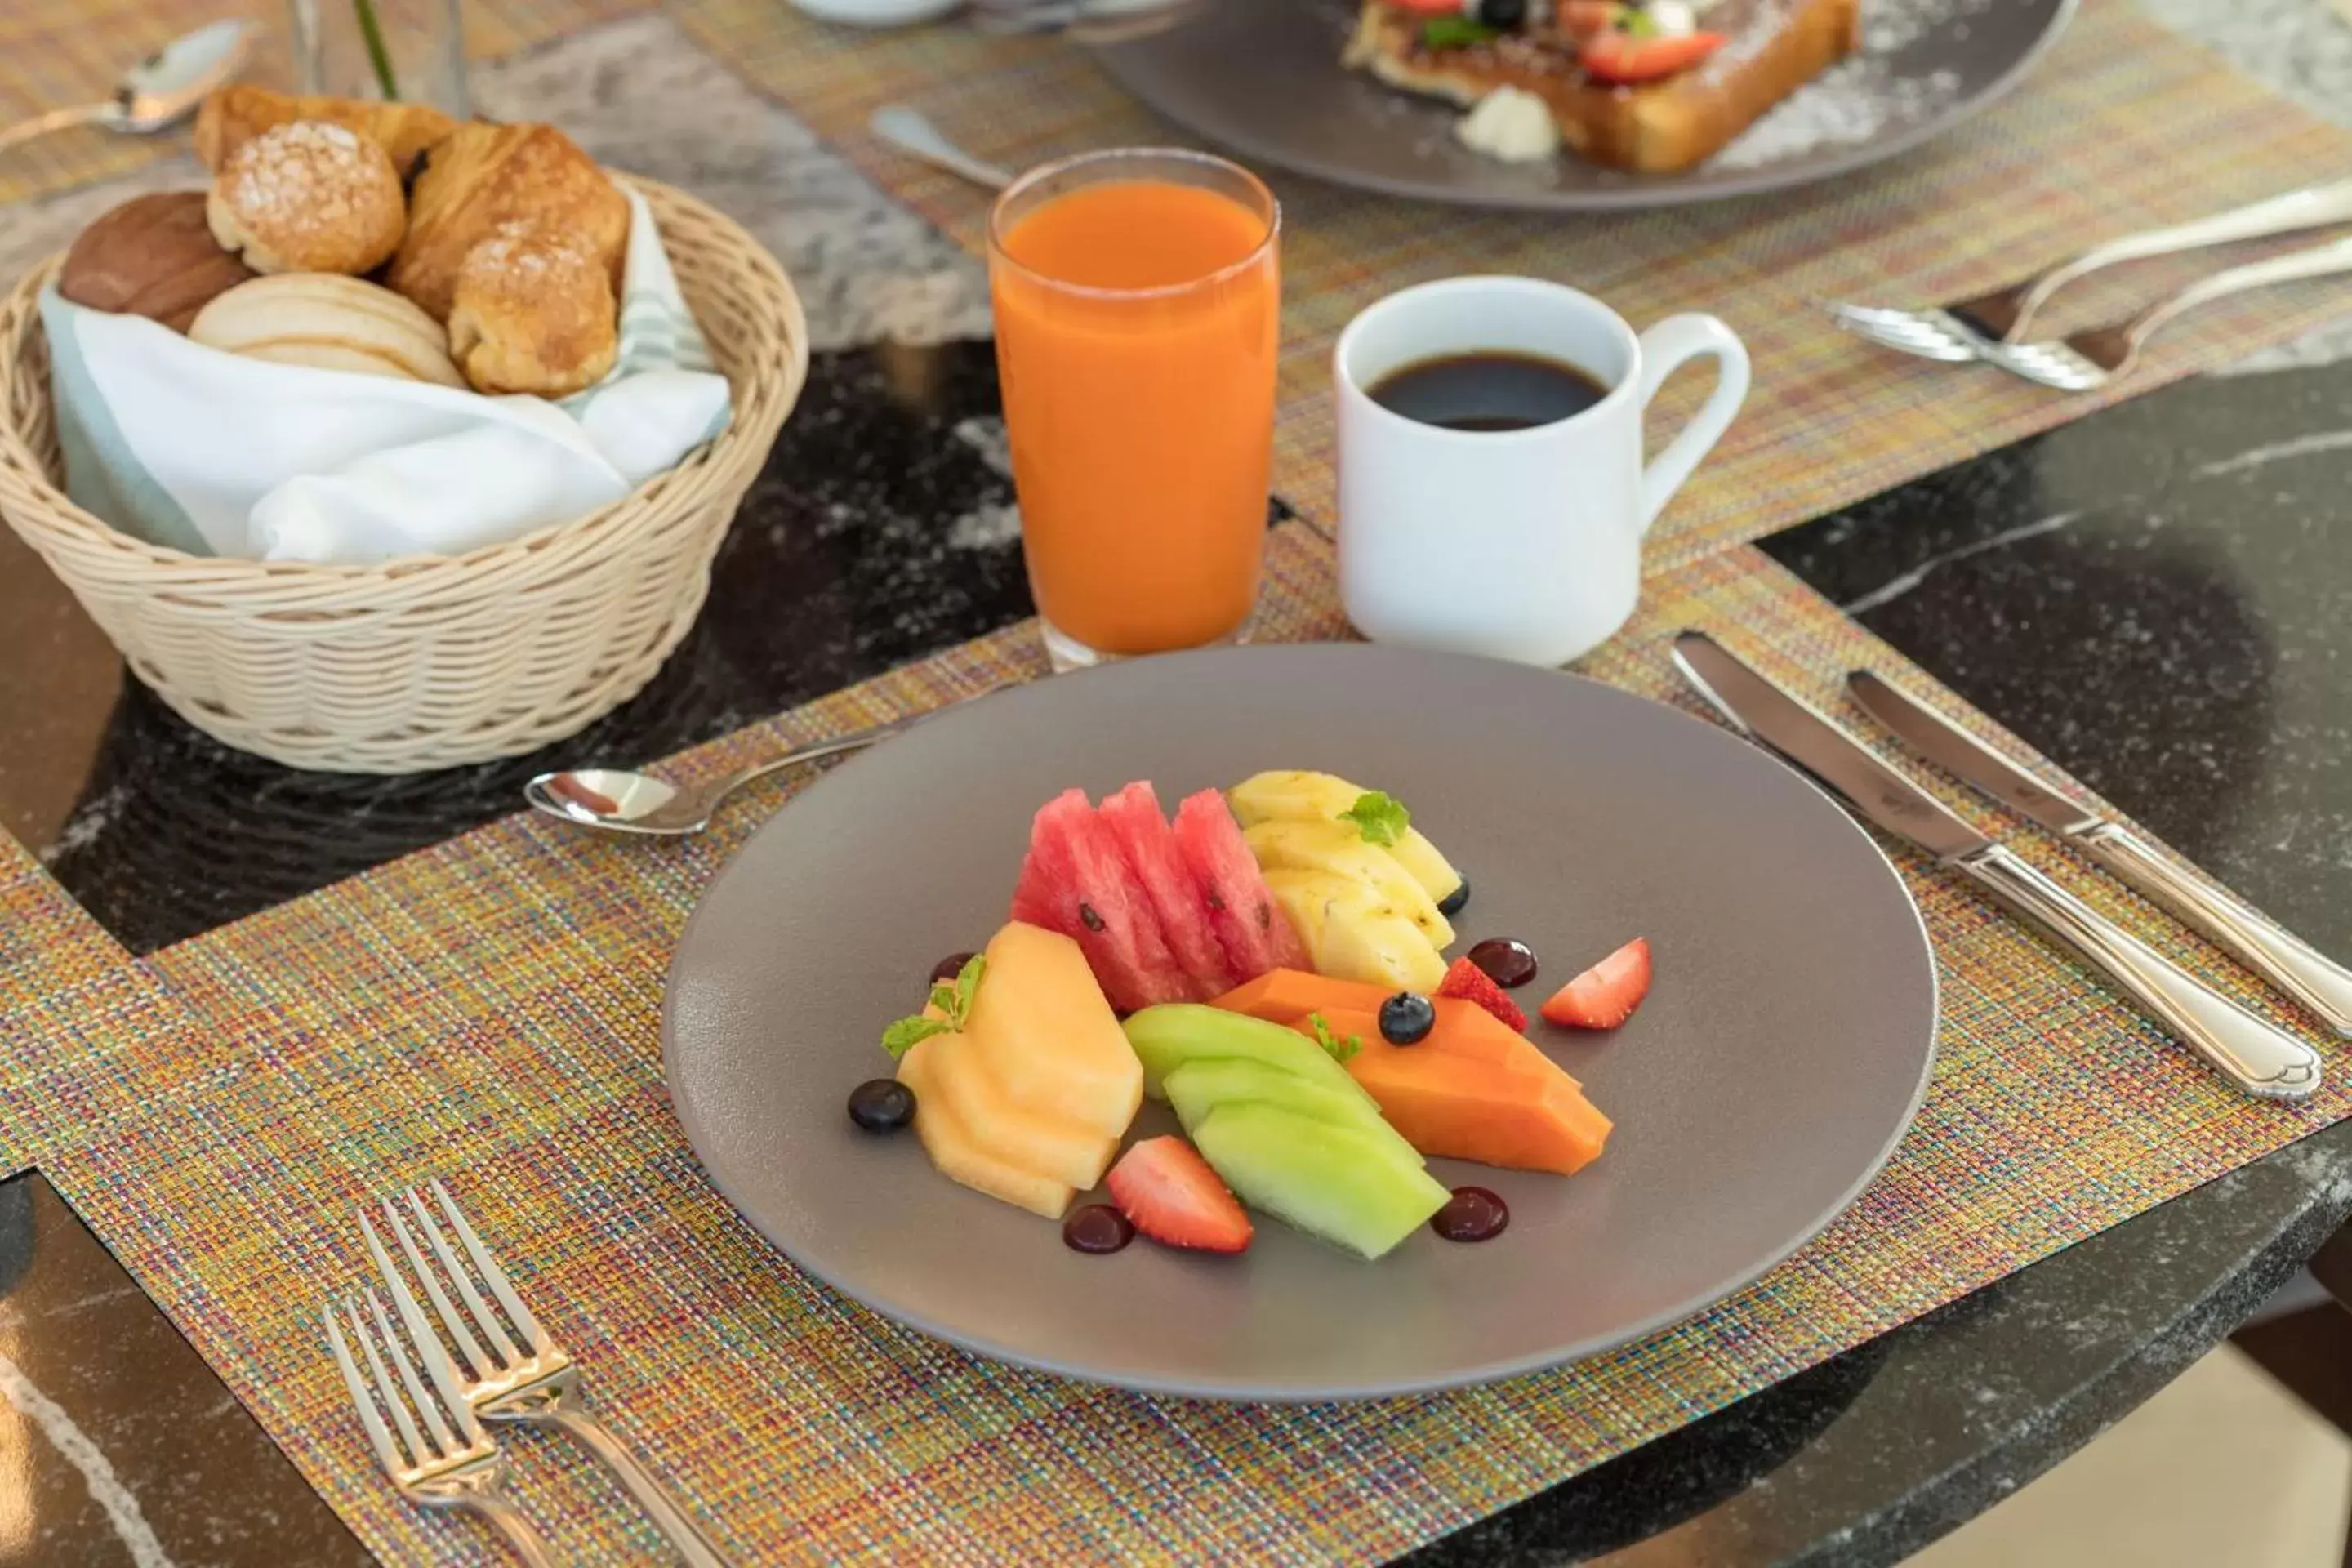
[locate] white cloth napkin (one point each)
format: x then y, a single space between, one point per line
220 455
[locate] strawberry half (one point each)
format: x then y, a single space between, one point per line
1604 996
1467 981
1623 58
1164 1187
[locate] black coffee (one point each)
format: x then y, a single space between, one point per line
1488 391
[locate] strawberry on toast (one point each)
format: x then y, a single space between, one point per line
1652 87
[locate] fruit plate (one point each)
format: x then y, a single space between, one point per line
1262 79
1767 1078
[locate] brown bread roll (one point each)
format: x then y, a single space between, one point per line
533 311
485 176
309 197
151 257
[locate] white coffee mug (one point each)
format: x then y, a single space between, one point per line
1521 544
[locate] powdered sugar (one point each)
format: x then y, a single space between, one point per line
1872 93
308 169
526 253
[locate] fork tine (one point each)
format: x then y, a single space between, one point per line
378 1435
403 1298
483 1316
1905 335
467 1345
421 1453
496 1276
438 1364
426 1406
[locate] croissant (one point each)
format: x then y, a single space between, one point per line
486 176
236 115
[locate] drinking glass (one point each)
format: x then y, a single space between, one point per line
408 51
1137 297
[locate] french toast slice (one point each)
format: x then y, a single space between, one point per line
1776 47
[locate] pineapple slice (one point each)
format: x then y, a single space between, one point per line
1304 897
1351 934
1337 847
1365 939
1284 796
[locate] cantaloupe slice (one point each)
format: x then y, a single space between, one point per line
951 1146
1021 1136
1469 1092
1045 1036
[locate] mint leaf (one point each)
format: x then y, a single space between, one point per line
1455 33
967 985
1339 1050
954 1001
901 1036
1379 818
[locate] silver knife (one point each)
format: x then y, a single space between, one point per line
2282 959
2258 1056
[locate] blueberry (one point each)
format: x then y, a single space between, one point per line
947 968
1407 1017
1503 14
1456 899
881 1105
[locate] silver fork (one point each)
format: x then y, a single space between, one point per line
456 1469
538 1388
1967 329
2086 361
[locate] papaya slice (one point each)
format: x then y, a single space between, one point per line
1470 1091
1286 995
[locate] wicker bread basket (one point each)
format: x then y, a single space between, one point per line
428 661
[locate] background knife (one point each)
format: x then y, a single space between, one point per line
2277 955
2258 1056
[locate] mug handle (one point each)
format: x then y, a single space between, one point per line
1666 349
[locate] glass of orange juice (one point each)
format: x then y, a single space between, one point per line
1138 301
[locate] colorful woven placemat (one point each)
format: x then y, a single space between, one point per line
59 52
2125 125
488 1011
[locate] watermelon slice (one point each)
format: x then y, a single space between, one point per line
1076 883
1136 823
1250 926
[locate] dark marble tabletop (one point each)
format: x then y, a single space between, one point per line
2156 596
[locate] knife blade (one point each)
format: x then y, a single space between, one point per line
1958 752
2253 1054
1762 710
2278 956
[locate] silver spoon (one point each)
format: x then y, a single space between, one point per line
911 130
1083 21
621 801
159 91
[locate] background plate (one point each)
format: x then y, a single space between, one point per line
1263 77
1765 1081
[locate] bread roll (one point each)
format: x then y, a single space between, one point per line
486 176
330 322
309 197
234 115
533 311
151 257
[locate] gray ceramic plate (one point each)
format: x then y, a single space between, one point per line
1780 1056
1263 77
